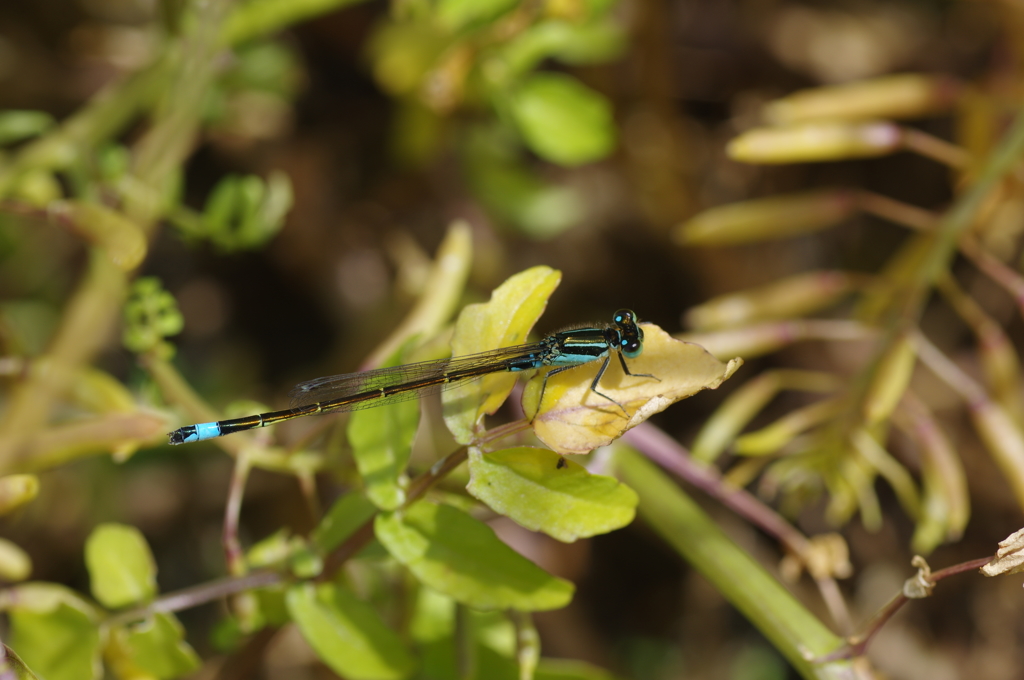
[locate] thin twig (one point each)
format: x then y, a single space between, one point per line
857 644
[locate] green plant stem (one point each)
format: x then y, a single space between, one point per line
162 151
105 116
61 444
671 456
94 308
794 631
958 219
87 323
85 328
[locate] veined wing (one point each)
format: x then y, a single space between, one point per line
408 381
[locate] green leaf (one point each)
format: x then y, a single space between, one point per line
157 645
271 551
461 557
488 638
242 212
18 125
273 610
15 564
402 53
150 315
121 567
433 616
55 632
16 491
506 319
567 41
455 14
381 440
513 190
544 492
446 659
348 513
10 662
347 634
563 120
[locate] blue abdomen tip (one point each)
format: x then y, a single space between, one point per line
205 431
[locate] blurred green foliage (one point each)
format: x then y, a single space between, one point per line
561 131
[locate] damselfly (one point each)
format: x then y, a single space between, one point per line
352 391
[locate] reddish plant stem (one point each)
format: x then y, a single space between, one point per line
857 644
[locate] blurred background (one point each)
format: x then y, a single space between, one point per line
387 129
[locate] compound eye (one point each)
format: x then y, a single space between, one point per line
624 317
631 348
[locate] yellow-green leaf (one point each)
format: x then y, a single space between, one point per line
15 564
505 320
55 632
16 490
157 646
381 441
816 141
905 95
461 557
121 567
347 514
347 633
563 120
13 664
763 219
544 492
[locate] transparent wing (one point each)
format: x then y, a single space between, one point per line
417 375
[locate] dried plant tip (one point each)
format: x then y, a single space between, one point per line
828 557
1009 558
920 585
